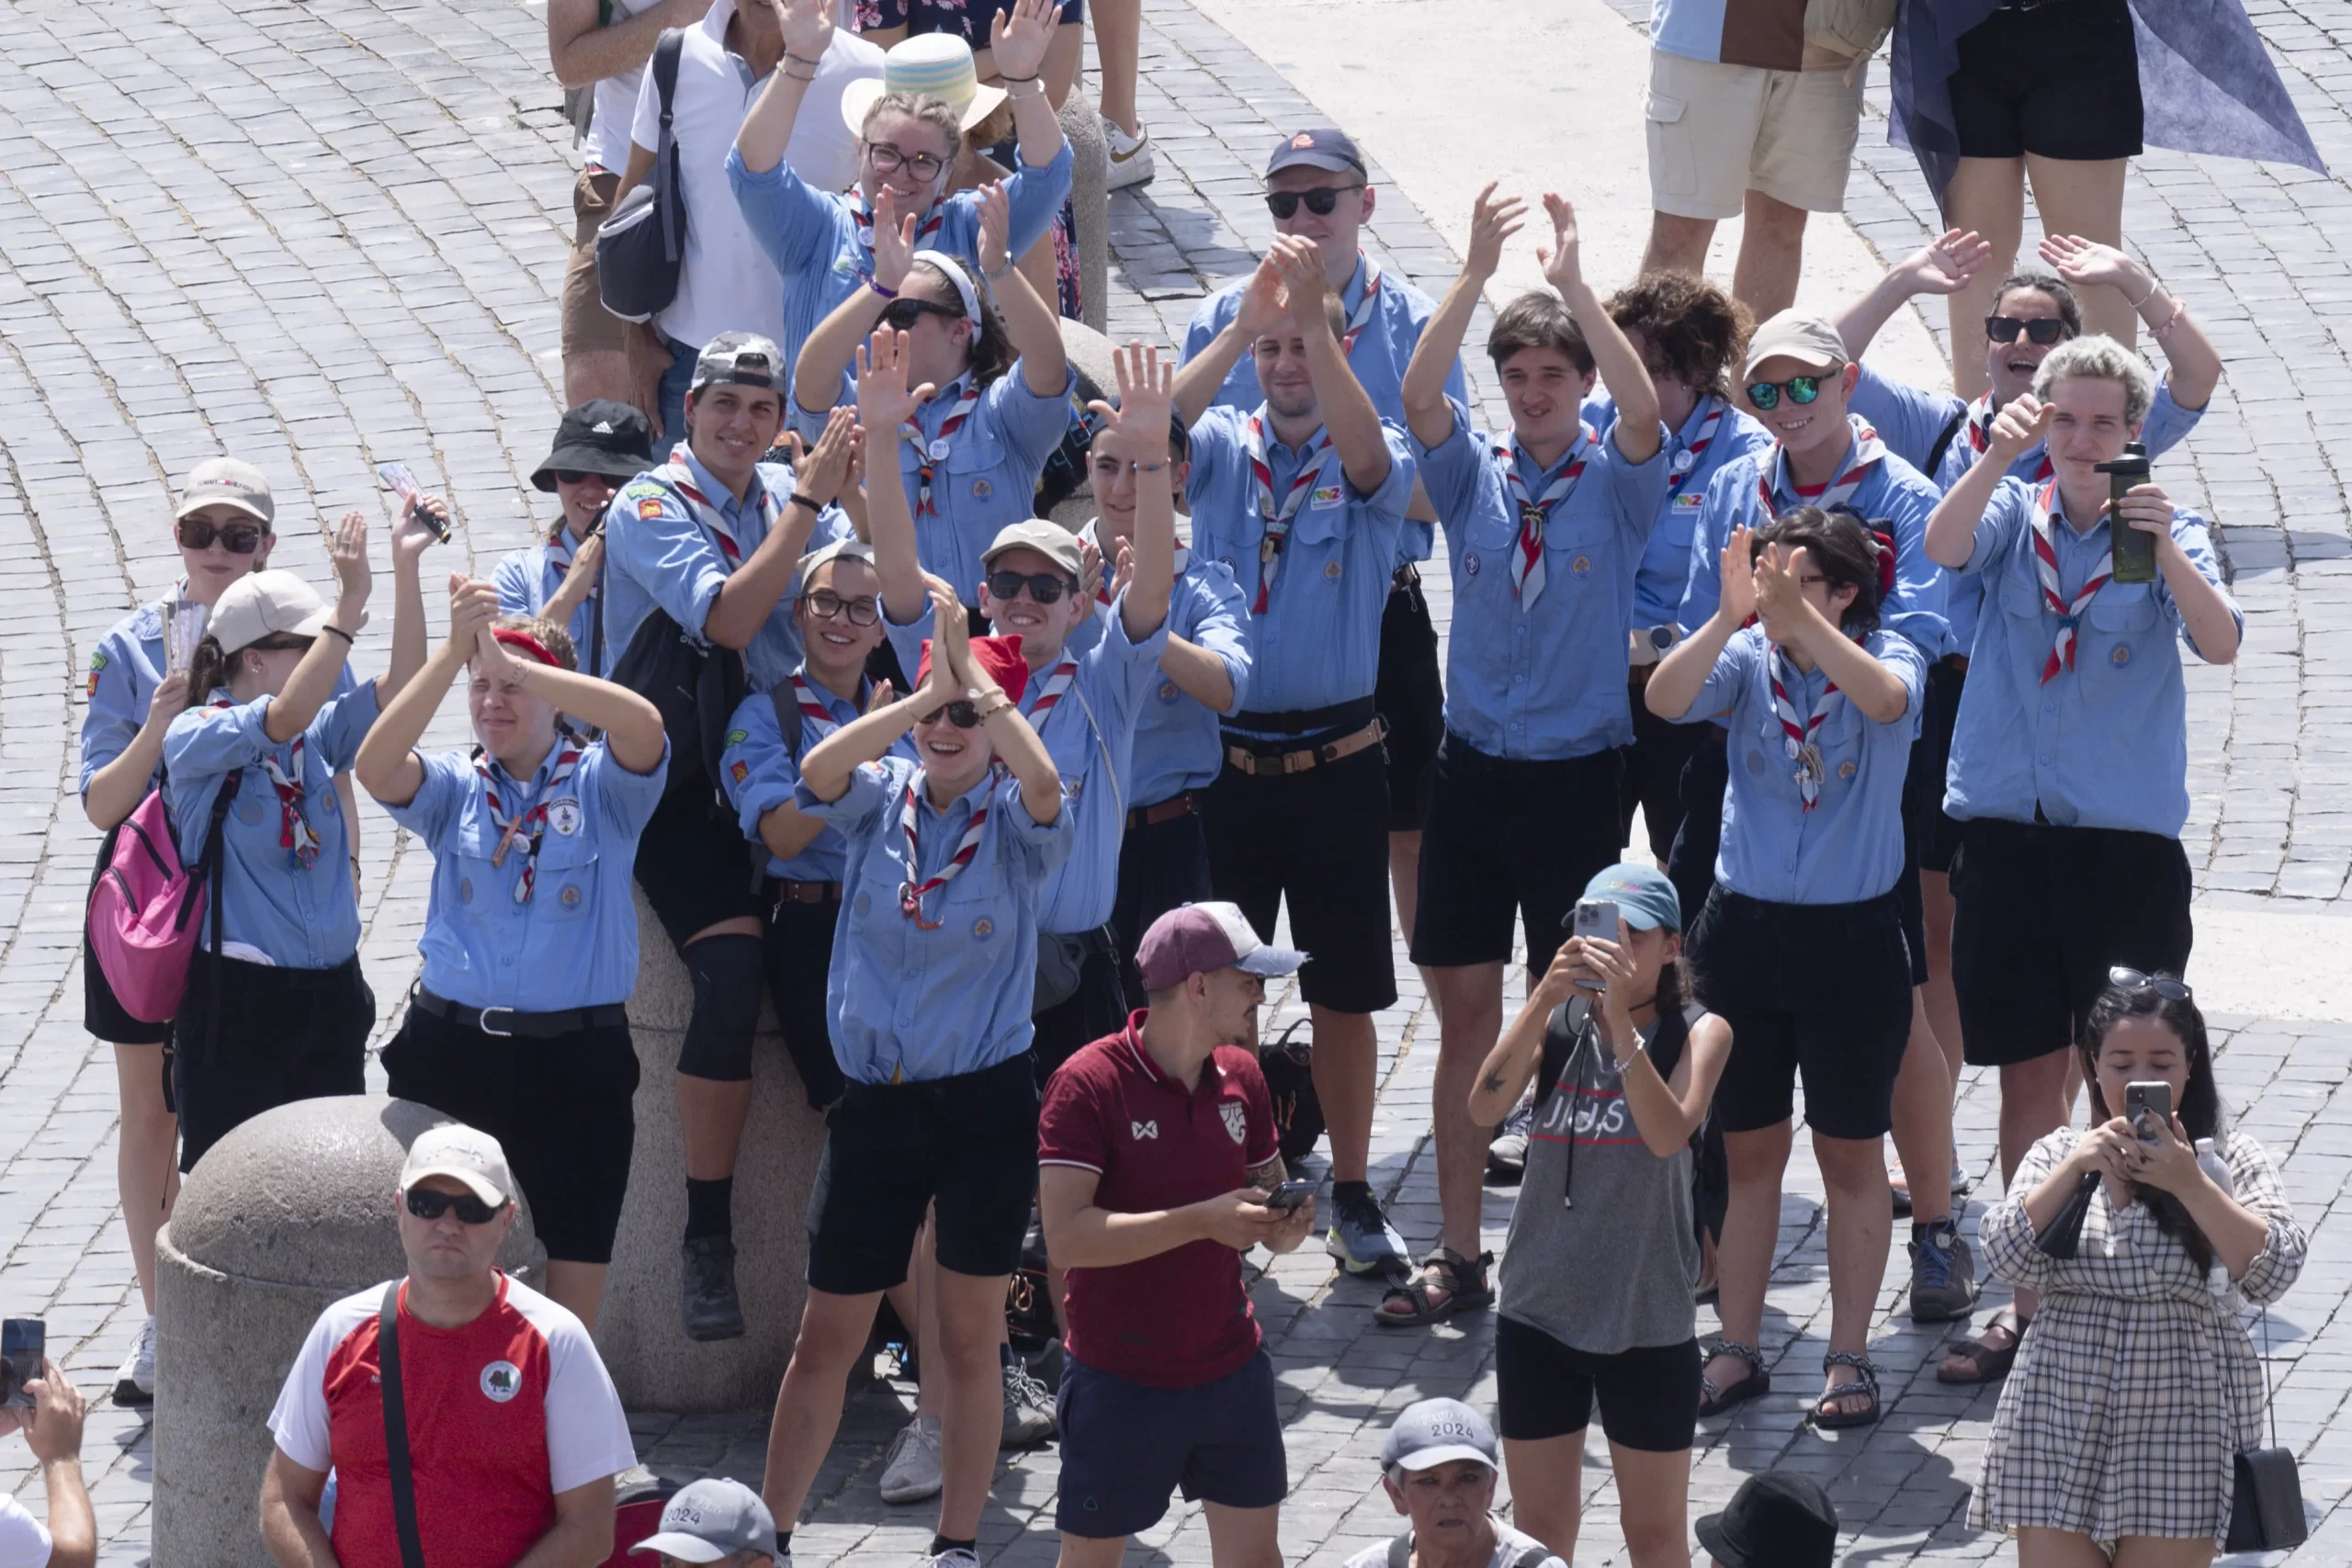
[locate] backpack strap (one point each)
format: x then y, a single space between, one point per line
388 1357
1944 439
665 155
788 718
208 867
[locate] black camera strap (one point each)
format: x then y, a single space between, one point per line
388 1358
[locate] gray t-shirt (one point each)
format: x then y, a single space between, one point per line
1606 1264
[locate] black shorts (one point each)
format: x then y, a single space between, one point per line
1649 1396
696 868
2058 81
2041 913
1653 776
1503 838
102 1011
969 1142
1098 1006
1410 695
283 1035
799 960
563 1109
1938 834
1162 865
1699 839
1126 1449
1818 989
1319 838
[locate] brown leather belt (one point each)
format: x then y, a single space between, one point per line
793 892
1270 764
1175 805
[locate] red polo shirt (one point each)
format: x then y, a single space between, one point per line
1180 1318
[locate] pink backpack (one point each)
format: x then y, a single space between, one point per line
142 926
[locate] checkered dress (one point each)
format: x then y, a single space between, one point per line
2137 1385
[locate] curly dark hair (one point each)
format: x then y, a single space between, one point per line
1844 550
1694 330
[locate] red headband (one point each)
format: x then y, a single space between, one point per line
527 644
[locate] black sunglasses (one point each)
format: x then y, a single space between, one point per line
830 604
578 476
900 315
2125 978
1802 389
428 1204
962 713
237 538
1044 586
1320 201
2044 331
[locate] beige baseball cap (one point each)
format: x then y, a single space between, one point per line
255 607
225 481
1811 341
1051 540
465 1154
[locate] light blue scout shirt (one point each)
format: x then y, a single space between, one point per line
1850 846
812 235
1319 643
1666 563
916 1004
302 916
1546 681
988 478
1089 732
1177 746
2103 745
124 673
527 579
574 944
1381 350
660 555
760 772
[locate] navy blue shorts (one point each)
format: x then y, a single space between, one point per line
1125 1448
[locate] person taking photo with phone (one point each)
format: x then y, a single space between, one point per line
48 1411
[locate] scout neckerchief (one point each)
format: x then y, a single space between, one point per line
294 830
1050 691
681 478
1527 551
560 549
1361 317
814 715
1277 518
1091 535
1868 451
1799 733
933 451
1980 414
860 213
2045 564
525 828
1686 462
910 895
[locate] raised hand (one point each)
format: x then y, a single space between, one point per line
806 25
415 535
2019 425
1018 43
473 605
1090 570
1261 302
349 556
169 701
819 472
1945 264
1737 566
1138 426
1778 595
1127 572
996 224
885 402
1563 260
894 240
2149 508
2086 263
1298 263
1493 220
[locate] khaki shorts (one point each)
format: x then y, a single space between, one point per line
1796 129
588 327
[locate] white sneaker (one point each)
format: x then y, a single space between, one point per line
1130 156
134 1380
954 1557
910 1470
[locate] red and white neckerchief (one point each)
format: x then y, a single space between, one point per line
1361 317
909 894
525 828
1527 551
1868 452
680 478
1980 414
814 715
860 213
294 830
2045 564
1278 517
1091 535
1686 462
931 451
1051 690
1799 732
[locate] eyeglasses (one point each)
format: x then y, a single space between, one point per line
237 538
831 605
888 160
2125 978
900 315
1320 201
961 713
428 1204
1044 586
581 476
1802 389
2044 331
284 644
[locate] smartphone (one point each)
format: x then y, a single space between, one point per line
1594 917
2142 1100
398 480
1290 1195
2134 549
23 1342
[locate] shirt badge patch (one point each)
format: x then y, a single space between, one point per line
735 737
1470 563
1325 498
1689 502
570 896
2121 656
1580 568
982 490
983 928
465 890
1331 570
563 816
865 902
1846 769
1756 763
1144 1130
501 1380
648 510
1237 1119
739 771
249 811
1168 692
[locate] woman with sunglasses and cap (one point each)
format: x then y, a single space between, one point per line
599 447
992 391
517 1024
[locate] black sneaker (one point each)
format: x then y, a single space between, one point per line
1363 1239
711 1311
1943 1275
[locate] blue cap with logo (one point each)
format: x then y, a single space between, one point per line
1646 899
1438 1431
1317 147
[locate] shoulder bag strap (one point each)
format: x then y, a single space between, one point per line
388 1357
1943 441
209 867
665 155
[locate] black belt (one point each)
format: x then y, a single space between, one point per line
504 1022
1303 721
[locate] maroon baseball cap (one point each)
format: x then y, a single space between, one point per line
1200 939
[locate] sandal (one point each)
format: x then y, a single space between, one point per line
1825 1415
1713 1401
1988 1362
1447 1283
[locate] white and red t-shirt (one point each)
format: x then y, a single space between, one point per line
503 1413
1180 1318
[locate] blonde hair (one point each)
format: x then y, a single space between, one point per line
2100 359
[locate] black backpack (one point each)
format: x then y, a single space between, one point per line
641 245
697 686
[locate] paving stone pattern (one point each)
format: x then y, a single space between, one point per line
326 235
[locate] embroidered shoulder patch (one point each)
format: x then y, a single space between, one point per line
648 510
735 737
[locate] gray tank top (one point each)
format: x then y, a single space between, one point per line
1602 1254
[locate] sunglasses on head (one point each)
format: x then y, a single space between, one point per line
2045 329
237 538
2125 978
961 713
428 1204
580 475
829 604
1320 201
888 160
1044 586
1802 389
283 643
900 315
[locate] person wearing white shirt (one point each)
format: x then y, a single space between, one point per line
52 1429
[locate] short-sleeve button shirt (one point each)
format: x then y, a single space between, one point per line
527 579
760 771
1694 455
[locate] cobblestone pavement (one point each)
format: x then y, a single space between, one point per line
330 235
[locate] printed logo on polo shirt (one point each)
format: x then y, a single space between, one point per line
563 816
2121 656
501 1380
1325 498
1237 1119
1143 1129
983 928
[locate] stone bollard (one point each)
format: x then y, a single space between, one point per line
653 1363
286 1215
1089 355
1090 200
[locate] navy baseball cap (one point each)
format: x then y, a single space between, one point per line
1646 899
1320 147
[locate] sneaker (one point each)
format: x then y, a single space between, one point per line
954 1557
1943 1275
1363 1239
1961 1182
1130 156
710 1310
910 1470
1507 1156
134 1382
1028 1412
